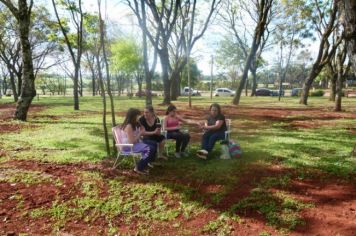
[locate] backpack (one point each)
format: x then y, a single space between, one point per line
234 149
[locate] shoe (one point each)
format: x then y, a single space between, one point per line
177 155
163 157
203 152
140 172
150 165
201 156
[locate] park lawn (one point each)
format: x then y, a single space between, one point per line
61 152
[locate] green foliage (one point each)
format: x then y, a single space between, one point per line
317 93
126 56
194 74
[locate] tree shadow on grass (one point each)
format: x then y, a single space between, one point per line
238 187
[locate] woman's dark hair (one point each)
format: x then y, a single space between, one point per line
150 109
131 118
217 106
170 108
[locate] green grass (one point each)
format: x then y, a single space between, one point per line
171 196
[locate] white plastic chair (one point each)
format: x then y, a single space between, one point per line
123 148
228 132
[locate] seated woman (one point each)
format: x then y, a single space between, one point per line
214 128
131 126
172 123
152 134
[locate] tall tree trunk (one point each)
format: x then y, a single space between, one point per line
350 29
254 82
75 87
332 81
175 86
102 91
308 83
113 121
246 88
28 91
341 73
264 11
324 54
81 83
333 88
164 57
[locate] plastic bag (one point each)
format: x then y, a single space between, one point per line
225 154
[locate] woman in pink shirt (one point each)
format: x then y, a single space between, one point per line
172 125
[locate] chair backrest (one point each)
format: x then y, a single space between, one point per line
119 135
163 125
228 124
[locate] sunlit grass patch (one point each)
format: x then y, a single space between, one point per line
27 177
279 208
129 202
221 226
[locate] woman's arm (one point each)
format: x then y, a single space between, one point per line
186 121
217 125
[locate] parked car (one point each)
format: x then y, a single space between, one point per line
296 92
264 92
275 93
144 93
193 92
221 92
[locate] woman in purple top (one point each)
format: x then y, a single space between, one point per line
131 126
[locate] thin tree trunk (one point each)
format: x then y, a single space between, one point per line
254 82
13 86
102 43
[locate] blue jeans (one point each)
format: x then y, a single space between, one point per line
153 148
209 139
148 154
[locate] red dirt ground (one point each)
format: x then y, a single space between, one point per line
335 200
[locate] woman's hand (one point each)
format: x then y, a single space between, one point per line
200 124
158 131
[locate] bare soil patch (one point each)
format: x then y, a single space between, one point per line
335 202
7 112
